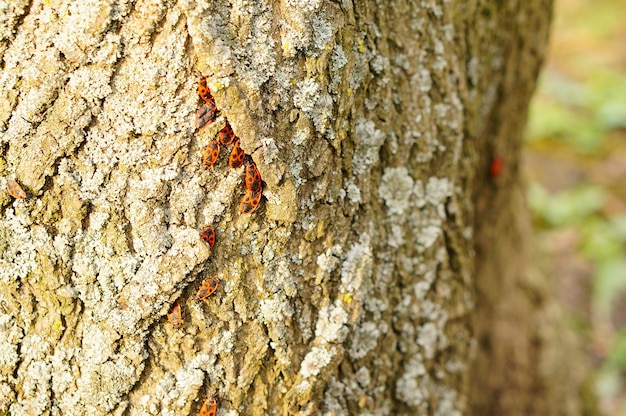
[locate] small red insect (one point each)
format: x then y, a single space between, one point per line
210 155
250 201
226 135
206 115
237 156
253 177
495 169
207 288
203 89
209 408
15 190
175 315
208 235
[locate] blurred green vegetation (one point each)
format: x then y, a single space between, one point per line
577 114
576 165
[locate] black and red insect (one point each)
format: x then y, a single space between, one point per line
226 135
208 235
204 91
210 155
209 408
175 315
207 288
237 156
250 201
206 115
253 177
15 190
496 166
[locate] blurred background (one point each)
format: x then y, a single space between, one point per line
575 165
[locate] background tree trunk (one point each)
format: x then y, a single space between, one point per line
350 291
528 362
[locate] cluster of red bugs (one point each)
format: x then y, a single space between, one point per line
205 116
207 288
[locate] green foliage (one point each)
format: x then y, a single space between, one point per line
572 206
609 281
603 241
578 114
619 358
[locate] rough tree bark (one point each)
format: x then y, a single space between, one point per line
350 291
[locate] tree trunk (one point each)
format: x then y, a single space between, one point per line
349 291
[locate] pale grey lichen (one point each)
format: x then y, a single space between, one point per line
296 170
353 193
364 340
421 288
188 382
396 189
434 312
429 233
279 278
430 199
35 393
448 403
300 136
8 356
274 310
270 150
64 378
409 389
356 270
18 257
296 28
363 377
329 260
420 194
369 141
315 360
441 110
397 239
334 398
306 95
323 31
437 191
90 83
252 55
379 63
226 342
456 366
215 207
338 58
427 337
322 113
331 324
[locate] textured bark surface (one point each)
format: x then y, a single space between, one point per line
350 291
